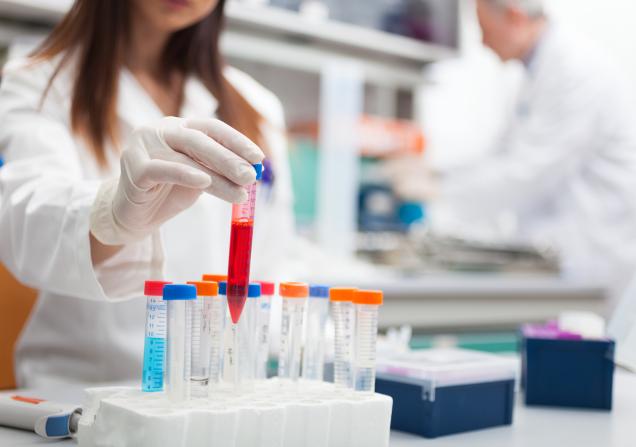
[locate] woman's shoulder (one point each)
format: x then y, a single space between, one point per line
30 77
263 100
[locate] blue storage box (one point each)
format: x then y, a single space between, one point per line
566 371
445 391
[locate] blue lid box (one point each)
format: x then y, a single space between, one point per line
561 370
441 392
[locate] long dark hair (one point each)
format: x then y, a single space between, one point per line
96 32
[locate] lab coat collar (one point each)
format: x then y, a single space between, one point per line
530 60
135 107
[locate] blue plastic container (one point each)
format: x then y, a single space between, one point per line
568 373
443 392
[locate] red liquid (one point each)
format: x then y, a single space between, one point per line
239 267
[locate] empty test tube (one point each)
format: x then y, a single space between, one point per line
366 304
202 322
155 340
294 296
219 312
316 323
343 314
248 337
262 322
181 299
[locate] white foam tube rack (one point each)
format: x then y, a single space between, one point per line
314 414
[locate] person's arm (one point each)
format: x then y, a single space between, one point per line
62 233
45 200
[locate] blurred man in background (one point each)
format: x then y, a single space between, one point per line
565 168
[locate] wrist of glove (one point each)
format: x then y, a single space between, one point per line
104 224
164 169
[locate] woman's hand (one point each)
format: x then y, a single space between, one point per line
164 169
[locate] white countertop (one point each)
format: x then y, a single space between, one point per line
532 426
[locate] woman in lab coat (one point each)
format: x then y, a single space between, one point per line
100 192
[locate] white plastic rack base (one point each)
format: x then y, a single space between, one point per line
272 415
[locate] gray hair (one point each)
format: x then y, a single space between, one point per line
534 8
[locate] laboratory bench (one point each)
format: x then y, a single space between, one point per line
531 426
452 301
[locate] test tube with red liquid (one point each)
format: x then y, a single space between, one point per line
238 277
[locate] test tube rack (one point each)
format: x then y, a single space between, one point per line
274 414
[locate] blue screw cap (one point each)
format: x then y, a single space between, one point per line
318 291
222 287
258 167
179 292
254 290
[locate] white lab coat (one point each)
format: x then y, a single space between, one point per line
566 166
88 324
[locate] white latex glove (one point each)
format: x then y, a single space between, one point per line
412 178
164 169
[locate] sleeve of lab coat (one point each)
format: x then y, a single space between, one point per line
540 151
45 198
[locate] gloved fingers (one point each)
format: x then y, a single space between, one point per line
219 185
211 154
225 189
229 137
158 171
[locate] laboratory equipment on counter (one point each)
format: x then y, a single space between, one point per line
294 296
271 416
48 419
155 339
343 314
562 368
366 304
202 327
221 280
181 299
264 309
248 337
316 323
217 328
241 249
439 392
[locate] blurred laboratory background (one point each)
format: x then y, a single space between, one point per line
365 85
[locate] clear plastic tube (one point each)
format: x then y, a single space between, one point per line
241 233
367 304
366 330
343 314
217 321
231 356
248 338
294 296
155 337
181 308
316 322
262 322
202 336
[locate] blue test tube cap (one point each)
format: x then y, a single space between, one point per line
179 292
254 290
222 287
318 291
258 167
